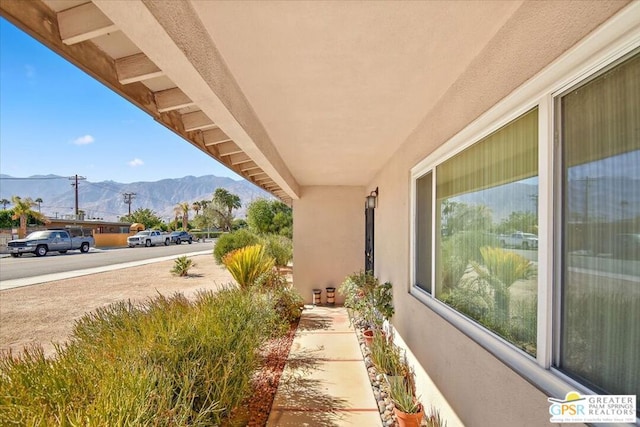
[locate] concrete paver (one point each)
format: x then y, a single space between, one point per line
325 382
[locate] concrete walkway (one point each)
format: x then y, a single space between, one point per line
325 381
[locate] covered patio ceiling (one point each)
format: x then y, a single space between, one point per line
287 94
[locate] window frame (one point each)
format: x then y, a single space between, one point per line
606 46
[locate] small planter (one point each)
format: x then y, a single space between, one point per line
409 420
368 336
331 295
317 296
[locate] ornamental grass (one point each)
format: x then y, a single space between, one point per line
168 362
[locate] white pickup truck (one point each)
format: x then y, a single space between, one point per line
519 240
148 238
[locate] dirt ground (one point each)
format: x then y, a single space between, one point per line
45 314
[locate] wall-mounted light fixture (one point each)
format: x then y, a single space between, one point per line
372 199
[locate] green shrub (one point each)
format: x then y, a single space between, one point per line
247 264
169 362
231 241
371 300
182 265
287 302
271 279
280 248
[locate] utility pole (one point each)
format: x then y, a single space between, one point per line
128 198
76 178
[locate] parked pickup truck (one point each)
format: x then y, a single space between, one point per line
148 238
41 242
519 240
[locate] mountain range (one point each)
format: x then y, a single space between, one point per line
105 199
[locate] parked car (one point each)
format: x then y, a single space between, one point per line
519 240
148 238
55 240
178 237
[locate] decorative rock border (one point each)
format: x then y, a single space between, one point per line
385 405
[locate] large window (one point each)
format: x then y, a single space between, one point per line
423 242
600 140
571 303
487 245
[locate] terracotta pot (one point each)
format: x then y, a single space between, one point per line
368 336
409 420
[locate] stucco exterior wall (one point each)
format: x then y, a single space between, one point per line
328 237
480 388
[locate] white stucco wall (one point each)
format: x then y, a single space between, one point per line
328 237
479 388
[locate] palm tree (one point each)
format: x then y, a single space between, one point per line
22 210
196 206
38 201
4 203
224 203
185 215
177 210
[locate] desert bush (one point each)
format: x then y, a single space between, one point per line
271 279
231 241
287 302
278 247
182 265
169 362
247 264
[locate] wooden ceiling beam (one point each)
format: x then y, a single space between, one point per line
214 137
172 99
196 121
136 68
257 173
248 166
228 148
237 159
263 180
82 23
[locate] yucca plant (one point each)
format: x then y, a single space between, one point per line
247 264
182 265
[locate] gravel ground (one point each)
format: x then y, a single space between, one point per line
45 314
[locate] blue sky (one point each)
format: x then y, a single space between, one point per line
55 119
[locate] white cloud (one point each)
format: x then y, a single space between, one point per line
136 162
83 140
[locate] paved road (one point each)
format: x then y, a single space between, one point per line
31 266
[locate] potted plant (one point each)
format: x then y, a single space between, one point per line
407 408
369 299
386 357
